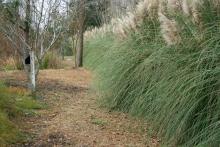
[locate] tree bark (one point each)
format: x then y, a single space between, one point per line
79 50
62 52
27 22
33 72
30 69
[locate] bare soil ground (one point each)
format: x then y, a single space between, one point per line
73 117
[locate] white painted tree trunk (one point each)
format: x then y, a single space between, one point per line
32 73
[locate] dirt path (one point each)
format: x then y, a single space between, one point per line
73 117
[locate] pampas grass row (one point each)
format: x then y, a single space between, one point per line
165 68
154 9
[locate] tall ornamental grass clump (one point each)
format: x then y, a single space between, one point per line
174 85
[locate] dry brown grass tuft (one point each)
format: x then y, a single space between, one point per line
18 90
10 63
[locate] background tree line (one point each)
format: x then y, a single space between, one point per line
31 28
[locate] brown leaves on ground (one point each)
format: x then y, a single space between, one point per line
73 118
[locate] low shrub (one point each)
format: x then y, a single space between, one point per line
51 61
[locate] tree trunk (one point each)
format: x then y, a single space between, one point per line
62 52
32 73
30 68
79 50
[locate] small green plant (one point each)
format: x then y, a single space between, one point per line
97 121
14 103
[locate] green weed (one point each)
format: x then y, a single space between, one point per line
98 122
14 104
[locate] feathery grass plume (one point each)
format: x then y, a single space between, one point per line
169 30
141 11
173 5
191 8
186 7
195 10
102 30
129 21
153 8
132 21
144 9
121 27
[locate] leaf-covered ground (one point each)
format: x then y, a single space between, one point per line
73 117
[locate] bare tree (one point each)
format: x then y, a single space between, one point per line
33 32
